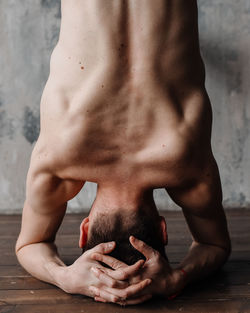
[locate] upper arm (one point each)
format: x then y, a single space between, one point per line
38 226
45 206
201 202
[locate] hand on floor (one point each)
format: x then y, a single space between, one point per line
78 277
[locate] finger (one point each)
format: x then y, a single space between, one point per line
131 291
122 270
103 295
107 280
142 247
105 247
109 260
99 299
136 301
125 272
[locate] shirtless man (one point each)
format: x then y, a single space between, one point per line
125 106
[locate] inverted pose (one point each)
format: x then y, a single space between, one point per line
125 106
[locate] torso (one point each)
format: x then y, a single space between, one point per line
125 99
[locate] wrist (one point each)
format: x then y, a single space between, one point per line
180 278
58 273
179 282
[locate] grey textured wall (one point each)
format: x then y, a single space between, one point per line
28 32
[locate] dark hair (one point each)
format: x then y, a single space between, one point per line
119 226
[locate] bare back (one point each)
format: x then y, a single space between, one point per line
125 99
125 106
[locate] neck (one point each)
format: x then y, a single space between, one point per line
123 198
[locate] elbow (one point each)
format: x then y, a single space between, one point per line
227 249
19 245
18 248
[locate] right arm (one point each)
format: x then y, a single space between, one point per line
43 212
44 209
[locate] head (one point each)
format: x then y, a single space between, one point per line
118 226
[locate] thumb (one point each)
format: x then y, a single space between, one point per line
104 248
142 247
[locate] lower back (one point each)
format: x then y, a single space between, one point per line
130 40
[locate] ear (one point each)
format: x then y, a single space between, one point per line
84 227
163 227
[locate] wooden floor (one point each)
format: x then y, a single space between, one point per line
227 291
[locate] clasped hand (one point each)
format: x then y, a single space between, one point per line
123 284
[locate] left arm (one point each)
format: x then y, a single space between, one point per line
203 210
202 206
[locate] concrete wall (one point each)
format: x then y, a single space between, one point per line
28 32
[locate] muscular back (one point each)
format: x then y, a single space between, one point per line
125 96
125 107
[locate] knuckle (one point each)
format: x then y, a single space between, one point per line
143 284
115 299
113 284
121 275
124 275
101 247
99 274
139 278
124 295
124 284
94 255
157 255
141 244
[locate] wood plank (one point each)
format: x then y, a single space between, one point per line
237 267
15 218
6 309
11 259
175 254
70 245
211 292
231 214
22 283
84 304
219 281
54 295
160 306
227 291
17 271
240 255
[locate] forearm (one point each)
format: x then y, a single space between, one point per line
202 260
42 261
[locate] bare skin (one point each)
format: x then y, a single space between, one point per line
125 106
